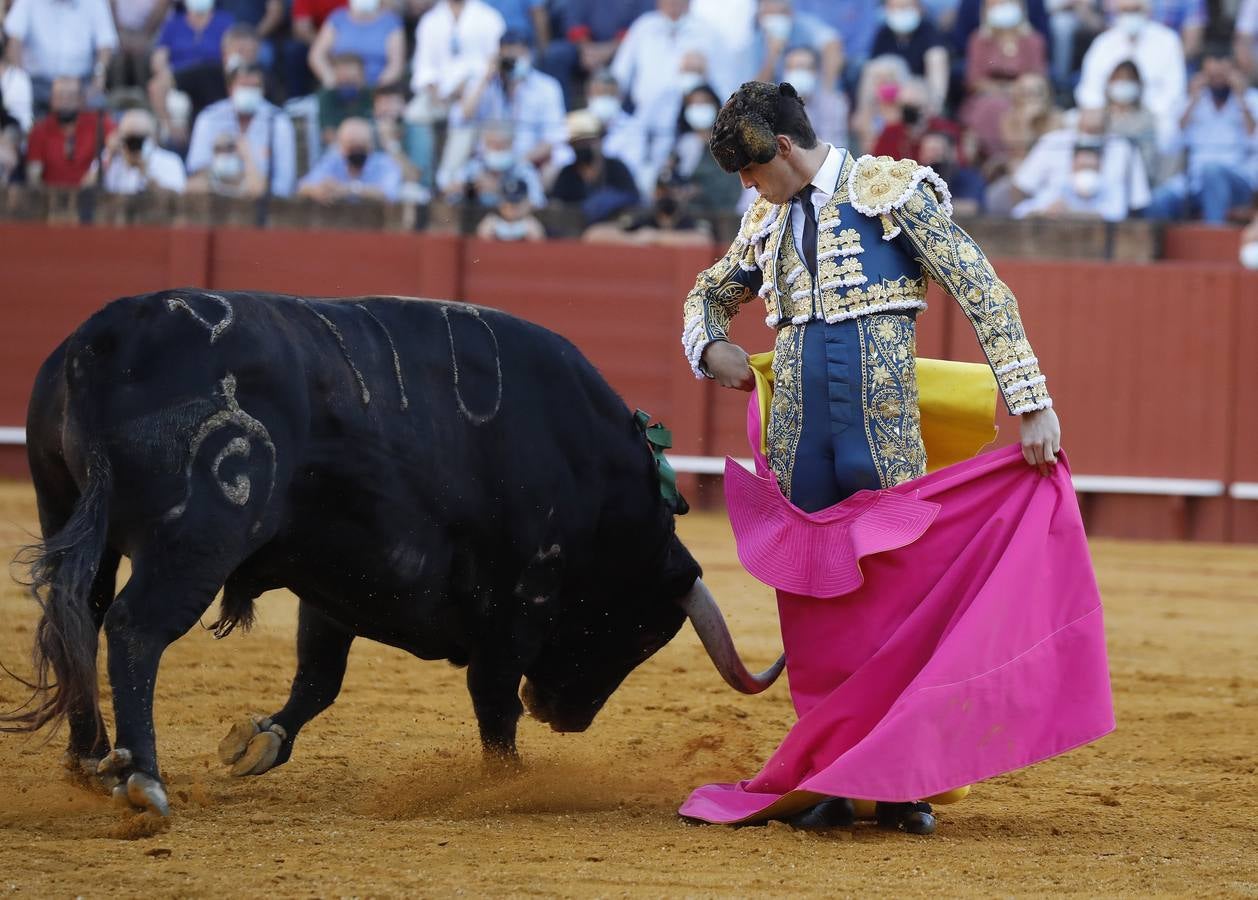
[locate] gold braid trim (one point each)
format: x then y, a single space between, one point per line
951 257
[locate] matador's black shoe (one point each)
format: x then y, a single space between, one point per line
915 818
837 812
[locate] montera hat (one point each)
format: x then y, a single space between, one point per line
745 131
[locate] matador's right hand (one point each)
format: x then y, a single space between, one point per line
729 365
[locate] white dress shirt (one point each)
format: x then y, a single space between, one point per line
269 131
61 37
449 51
647 61
1048 167
15 88
825 182
1158 54
158 168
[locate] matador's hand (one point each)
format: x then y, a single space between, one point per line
1041 438
728 364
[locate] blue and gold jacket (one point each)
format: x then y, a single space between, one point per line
887 228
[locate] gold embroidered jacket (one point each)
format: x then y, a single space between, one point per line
887 228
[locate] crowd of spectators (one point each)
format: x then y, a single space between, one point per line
1104 109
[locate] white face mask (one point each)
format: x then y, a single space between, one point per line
1249 255
688 81
364 7
1131 22
198 6
777 26
605 107
701 116
1005 15
803 80
1086 183
1124 92
499 160
904 21
247 99
227 167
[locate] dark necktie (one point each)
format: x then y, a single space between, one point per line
809 239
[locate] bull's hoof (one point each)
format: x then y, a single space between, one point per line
85 772
142 793
913 818
837 812
252 746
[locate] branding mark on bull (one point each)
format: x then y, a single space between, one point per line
397 362
238 490
474 418
340 340
215 329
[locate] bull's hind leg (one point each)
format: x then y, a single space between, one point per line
164 598
89 739
260 743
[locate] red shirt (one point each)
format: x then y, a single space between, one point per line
66 161
897 142
318 10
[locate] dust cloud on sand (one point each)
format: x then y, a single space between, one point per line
386 794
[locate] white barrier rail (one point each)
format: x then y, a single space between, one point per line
1085 484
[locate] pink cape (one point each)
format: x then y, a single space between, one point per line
937 633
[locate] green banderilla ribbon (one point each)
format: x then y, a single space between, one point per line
659 439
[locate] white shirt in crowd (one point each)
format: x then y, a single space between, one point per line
1108 201
1048 167
1158 54
61 37
15 89
449 51
648 59
158 168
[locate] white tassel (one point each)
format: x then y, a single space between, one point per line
1023 385
1032 407
892 306
795 273
1017 364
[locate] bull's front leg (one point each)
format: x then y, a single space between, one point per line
493 679
153 610
260 743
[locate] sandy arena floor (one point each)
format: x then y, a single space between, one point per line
385 794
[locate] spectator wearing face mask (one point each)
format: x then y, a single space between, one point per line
1128 120
1052 160
878 98
268 132
779 28
495 163
601 186
907 33
710 188
828 109
512 218
667 223
62 148
61 38
231 171
1216 129
15 89
1157 52
587 37
1084 195
353 169
514 92
133 161
649 59
626 136
1001 51
902 139
369 32
347 96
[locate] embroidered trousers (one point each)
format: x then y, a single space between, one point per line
844 415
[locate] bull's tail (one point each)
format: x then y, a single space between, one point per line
62 568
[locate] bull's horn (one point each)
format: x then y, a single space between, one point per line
700 606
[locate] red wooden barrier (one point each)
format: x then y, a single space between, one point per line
1142 388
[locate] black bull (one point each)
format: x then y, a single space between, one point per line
442 478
